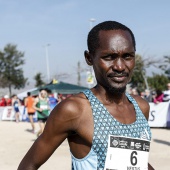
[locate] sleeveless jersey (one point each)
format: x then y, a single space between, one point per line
30 101
16 106
43 104
104 125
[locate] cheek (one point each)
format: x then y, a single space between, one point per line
131 66
105 65
100 69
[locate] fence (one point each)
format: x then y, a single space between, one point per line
159 115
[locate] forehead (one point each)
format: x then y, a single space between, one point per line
116 39
43 91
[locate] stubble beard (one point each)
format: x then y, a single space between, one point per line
114 90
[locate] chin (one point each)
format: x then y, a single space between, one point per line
117 89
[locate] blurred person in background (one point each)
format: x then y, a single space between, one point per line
158 98
16 103
52 100
28 103
148 96
166 97
59 97
41 105
134 91
7 100
142 94
2 101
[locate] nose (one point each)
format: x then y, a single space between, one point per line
118 65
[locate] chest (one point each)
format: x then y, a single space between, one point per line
99 122
98 119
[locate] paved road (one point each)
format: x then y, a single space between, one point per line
15 140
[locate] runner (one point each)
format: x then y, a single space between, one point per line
106 128
16 103
52 100
41 105
28 102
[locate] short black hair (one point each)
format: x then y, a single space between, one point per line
28 93
93 36
45 89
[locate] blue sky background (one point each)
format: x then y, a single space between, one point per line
64 24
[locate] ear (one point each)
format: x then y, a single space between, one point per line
88 58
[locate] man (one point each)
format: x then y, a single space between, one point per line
7 100
16 103
28 102
91 119
166 97
41 105
52 100
148 96
2 101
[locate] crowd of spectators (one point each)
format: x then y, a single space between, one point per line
5 101
155 96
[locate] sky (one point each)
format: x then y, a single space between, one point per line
64 25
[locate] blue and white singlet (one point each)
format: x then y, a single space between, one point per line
104 125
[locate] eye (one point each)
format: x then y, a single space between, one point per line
128 56
109 57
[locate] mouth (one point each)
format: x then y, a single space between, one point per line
118 77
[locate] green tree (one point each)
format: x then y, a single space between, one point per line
166 66
138 78
158 81
39 80
11 73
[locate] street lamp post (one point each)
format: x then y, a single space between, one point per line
91 22
47 62
92 77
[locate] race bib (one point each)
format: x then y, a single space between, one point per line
125 153
16 105
44 107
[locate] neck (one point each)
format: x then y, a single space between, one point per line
107 95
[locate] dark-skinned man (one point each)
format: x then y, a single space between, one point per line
106 128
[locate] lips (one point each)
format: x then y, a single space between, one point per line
118 77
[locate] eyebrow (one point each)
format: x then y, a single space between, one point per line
113 52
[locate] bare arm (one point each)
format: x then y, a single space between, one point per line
144 106
25 102
19 103
62 120
35 103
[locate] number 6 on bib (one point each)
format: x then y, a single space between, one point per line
124 153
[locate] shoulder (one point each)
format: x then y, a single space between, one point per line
71 110
36 99
13 100
73 104
143 104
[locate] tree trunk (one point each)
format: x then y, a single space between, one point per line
145 80
10 91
